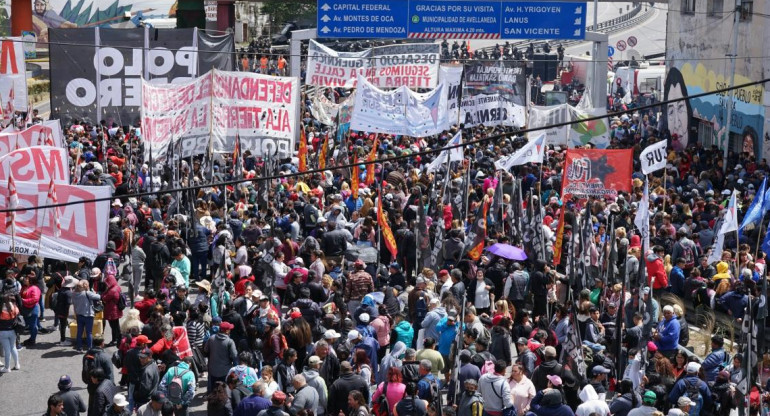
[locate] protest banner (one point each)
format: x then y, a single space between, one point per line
413 65
597 173
263 110
505 78
84 225
176 112
326 111
401 111
581 132
92 62
491 110
13 77
452 77
36 164
653 157
540 117
47 134
329 68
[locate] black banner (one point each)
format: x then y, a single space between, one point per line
496 77
110 63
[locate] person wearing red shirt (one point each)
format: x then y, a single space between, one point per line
656 273
145 305
30 305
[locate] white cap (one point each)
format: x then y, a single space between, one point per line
331 334
352 335
692 368
364 318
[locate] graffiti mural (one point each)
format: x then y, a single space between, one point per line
748 113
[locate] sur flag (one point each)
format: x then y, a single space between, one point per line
53 199
370 161
653 157
729 224
756 210
454 155
387 233
532 152
355 177
13 204
302 150
642 219
322 152
478 233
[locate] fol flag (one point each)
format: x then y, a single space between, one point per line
387 233
478 234
355 177
532 152
322 152
597 172
53 201
454 155
302 151
653 157
756 210
370 161
13 204
642 219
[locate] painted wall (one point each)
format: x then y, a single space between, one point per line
696 48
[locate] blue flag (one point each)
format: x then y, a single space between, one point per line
766 242
756 210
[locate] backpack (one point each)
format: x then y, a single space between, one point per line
89 363
688 255
122 301
175 387
381 406
435 396
488 367
691 390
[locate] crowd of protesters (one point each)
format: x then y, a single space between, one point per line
280 296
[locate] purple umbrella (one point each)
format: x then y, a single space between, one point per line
507 251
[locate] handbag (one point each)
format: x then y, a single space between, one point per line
511 411
98 305
18 324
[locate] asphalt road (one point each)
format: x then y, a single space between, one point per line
25 392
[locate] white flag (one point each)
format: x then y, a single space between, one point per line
642 219
729 223
532 152
653 157
454 155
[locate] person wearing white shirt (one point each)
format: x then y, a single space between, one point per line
591 403
522 389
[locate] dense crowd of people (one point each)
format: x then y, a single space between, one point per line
282 293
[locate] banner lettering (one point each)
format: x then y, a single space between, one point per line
13 77
37 164
597 173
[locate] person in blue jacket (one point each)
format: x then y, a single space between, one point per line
367 344
447 329
667 338
548 402
690 382
716 360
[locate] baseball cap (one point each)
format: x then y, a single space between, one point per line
684 401
554 379
142 339
522 341
331 334
600 369
226 326
364 318
314 360
353 335
549 351
692 368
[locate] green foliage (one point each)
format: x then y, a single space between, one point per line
283 11
112 14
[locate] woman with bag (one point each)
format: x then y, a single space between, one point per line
83 301
30 304
9 313
112 312
392 389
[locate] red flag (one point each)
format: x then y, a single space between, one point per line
302 151
54 200
322 152
387 233
355 177
371 158
597 173
557 247
13 203
480 229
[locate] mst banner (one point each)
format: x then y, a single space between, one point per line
597 173
13 77
84 225
400 112
497 77
37 164
414 65
113 70
263 110
47 134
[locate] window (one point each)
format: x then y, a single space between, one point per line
715 8
688 7
646 85
706 134
747 9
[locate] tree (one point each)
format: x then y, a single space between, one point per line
282 11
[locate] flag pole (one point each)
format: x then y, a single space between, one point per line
665 193
759 236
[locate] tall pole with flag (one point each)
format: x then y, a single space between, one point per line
370 162
729 224
302 152
10 216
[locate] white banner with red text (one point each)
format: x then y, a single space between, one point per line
13 78
84 225
37 164
46 134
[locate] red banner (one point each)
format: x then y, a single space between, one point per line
480 233
597 173
302 150
322 152
355 177
387 233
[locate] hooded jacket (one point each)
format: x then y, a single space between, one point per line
549 404
591 403
403 332
496 392
314 381
656 270
222 354
305 398
431 320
